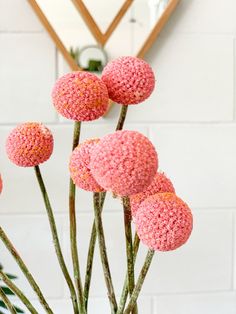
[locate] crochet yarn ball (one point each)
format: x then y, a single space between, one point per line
164 222
124 162
29 144
129 80
80 96
160 184
0 184
79 167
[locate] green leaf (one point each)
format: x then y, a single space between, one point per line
10 276
2 304
7 291
18 310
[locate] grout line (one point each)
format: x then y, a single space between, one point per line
234 81
57 119
156 295
21 32
116 210
153 307
139 123
233 249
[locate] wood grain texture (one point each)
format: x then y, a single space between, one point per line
89 20
100 37
158 28
52 33
117 19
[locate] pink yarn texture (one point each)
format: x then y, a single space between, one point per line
80 96
163 222
159 184
129 80
124 162
29 144
0 184
79 167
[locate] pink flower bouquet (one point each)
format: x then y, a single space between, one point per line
124 163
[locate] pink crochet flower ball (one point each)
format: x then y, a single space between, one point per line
124 162
0 184
129 80
80 96
29 144
163 222
79 167
159 184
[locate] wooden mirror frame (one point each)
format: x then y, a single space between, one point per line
100 37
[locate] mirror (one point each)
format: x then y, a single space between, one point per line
92 32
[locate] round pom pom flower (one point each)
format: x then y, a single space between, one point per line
80 96
160 184
29 144
79 167
124 162
163 222
0 184
129 80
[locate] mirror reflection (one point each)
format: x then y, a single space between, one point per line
92 36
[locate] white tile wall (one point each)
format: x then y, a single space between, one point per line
16 16
27 63
191 120
219 303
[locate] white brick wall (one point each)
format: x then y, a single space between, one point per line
191 120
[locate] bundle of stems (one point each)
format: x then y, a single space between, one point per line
79 293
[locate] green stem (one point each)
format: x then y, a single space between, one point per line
122 118
129 247
18 293
93 236
25 270
125 290
73 229
103 253
139 284
7 302
90 256
56 239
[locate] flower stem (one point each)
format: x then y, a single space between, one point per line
18 293
73 228
129 247
90 256
56 239
7 302
125 290
93 236
103 253
122 118
25 270
141 278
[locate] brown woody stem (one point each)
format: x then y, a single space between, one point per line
103 253
90 256
129 247
125 290
140 281
18 293
73 229
25 270
56 241
122 118
7 302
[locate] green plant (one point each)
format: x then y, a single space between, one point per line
8 292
